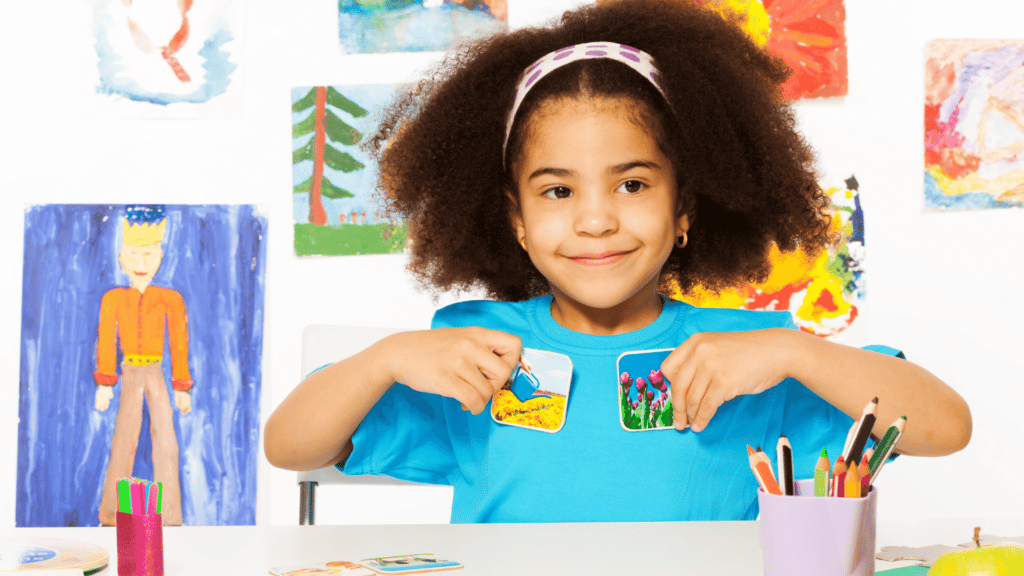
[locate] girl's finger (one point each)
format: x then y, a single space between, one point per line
476 390
705 411
495 370
681 382
695 395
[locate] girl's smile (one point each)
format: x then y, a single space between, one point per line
603 259
597 212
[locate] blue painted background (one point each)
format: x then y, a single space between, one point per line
215 257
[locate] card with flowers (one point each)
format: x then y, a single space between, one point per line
535 396
645 398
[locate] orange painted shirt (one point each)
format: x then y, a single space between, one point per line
136 320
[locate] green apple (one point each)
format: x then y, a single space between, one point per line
988 560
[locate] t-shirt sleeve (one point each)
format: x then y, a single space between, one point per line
811 423
404 436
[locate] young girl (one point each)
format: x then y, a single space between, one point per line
578 173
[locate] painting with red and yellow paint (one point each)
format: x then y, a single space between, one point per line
974 124
809 35
823 292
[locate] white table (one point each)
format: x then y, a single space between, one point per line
535 549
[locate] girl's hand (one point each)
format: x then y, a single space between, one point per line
711 368
468 364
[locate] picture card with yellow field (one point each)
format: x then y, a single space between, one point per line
537 393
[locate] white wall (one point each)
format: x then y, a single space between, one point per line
946 288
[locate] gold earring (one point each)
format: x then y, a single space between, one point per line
681 241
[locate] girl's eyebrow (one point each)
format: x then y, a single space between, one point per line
616 169
560 172
627 166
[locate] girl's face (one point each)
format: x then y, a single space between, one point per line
598 211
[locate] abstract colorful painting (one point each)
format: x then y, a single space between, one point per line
809 35
333 181
141 355
416 25
823 293
974 124
169 57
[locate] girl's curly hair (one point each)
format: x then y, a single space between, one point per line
746 175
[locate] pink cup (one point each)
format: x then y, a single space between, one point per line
140 545
804 535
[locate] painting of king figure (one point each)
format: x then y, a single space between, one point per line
154 308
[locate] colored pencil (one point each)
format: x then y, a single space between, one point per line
137 500
851 481
159 496
838 477
821 474
865 475
886 446
869 452
861 432
784 456
762 469
124 496
151 498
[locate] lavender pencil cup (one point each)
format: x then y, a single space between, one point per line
804 535
140 545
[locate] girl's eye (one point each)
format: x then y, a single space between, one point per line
632 186
558 192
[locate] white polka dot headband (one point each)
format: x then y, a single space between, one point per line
638 60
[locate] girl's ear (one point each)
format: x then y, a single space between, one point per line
515 216
682 224
685 208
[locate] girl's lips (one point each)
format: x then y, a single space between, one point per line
602 259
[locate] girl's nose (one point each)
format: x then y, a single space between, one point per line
595 215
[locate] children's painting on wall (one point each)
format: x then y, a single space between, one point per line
416 25
141 352
333 180
809 36
974 124
163 58
823 293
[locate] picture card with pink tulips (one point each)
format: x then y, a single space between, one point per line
645 396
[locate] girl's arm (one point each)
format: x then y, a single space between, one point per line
711 368
313 426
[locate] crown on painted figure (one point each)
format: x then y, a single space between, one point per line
143 225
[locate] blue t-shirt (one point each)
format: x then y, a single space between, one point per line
592 469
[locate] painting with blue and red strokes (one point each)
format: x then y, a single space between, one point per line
206 263
160 57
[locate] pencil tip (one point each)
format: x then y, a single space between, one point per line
824 452
875 400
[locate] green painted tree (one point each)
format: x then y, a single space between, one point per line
326 128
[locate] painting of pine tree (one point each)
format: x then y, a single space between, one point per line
333 180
